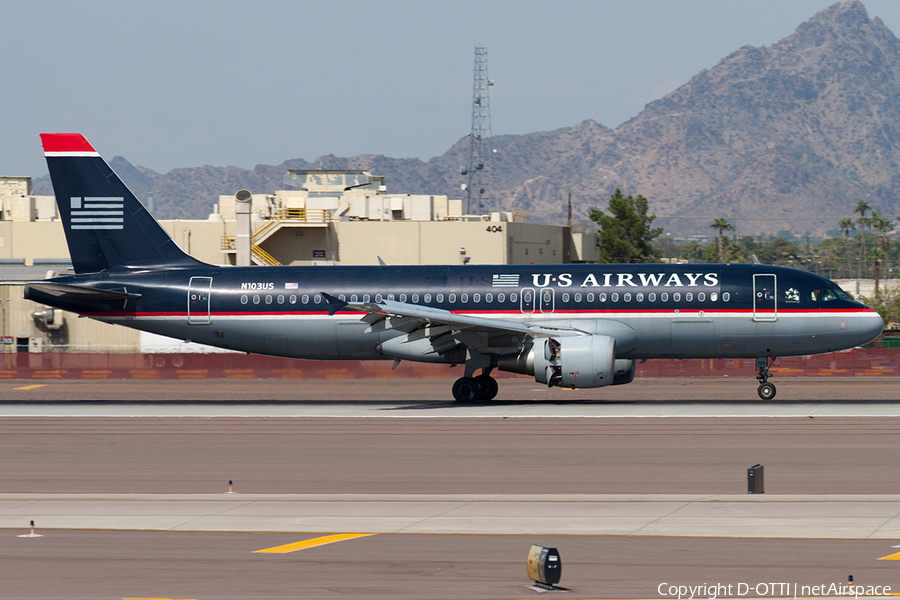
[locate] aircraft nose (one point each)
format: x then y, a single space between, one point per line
870 326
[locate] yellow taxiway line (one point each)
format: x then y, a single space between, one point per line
319 541
30 387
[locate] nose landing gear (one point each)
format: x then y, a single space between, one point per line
765 390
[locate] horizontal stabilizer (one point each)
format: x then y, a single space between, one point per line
86 293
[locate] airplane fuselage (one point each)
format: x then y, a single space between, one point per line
652 310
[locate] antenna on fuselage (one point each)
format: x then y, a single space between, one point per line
756 260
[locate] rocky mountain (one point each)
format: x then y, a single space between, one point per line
775 135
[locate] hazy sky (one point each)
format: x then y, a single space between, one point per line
185 83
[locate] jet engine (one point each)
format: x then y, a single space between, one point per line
578 362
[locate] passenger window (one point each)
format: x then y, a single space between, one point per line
304 298
713 297
268 299
590 297
513 297
464 298
342 298
317 299
651 297
488 297
627 297
402 297
415 298
577 297
814 295
565 297
689 297
726 296
353 298
701 296
244 299
293 299
280 299
603 297
615 297
378 298
427 298
501 297
676 297
476 297
639 297
664 297
255 299
390 297
452 298
440 298
367 298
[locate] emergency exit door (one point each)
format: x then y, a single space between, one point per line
198 300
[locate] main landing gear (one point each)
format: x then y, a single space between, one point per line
476 389
765 390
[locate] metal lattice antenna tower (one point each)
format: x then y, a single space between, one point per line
479 170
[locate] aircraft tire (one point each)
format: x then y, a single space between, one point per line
465 389
487 387
766 391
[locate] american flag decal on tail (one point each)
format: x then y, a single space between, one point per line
505 281
97 213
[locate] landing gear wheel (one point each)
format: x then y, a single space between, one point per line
487 387
766 391
465 389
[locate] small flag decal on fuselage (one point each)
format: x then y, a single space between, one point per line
505 281
97 213
291 286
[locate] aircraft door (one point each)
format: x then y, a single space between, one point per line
548 300
765 298
528 300
198 300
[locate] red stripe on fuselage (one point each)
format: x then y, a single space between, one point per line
65 142
507 313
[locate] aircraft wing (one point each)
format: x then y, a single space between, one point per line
447 329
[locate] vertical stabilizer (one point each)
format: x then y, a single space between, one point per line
106 225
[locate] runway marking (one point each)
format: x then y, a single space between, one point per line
895 556
30 387
319 541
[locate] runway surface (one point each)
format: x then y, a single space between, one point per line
134 507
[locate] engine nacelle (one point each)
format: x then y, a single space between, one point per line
624 371
578 362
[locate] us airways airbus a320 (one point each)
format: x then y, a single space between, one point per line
576 326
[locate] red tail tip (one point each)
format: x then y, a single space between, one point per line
65 142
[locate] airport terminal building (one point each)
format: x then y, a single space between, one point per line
328 218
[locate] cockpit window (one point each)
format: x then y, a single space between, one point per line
828 295
842 294
814 295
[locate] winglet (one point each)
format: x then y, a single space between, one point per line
333 304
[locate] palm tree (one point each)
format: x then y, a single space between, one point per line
877 255
721 225
861 207
882 226
847 225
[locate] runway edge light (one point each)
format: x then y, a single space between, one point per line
544 565
32 534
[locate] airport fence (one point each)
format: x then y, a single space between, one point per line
858 362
